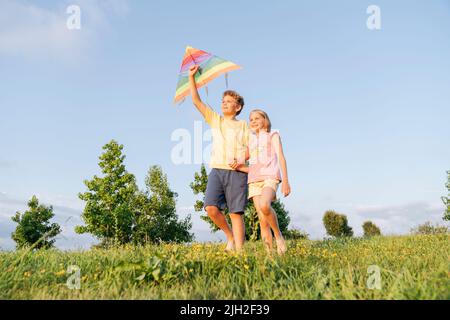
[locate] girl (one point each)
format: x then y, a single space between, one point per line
266 157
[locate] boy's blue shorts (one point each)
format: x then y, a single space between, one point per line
227 189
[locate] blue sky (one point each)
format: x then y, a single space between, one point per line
363 113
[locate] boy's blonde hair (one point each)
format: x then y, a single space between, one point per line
267 123
237 96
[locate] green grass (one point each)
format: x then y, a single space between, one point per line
412 267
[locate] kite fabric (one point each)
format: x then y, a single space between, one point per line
210 68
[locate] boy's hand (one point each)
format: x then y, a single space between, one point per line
234 165
193 70
285 188
196 100
239 166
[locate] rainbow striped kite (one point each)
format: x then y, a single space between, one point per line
210 68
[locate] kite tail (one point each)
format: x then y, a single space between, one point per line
207 95
226 80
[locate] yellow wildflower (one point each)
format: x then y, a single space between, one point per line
60 273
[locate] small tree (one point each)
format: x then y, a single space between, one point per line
370 229
252 229
428 228
336 224
156 220
108 213
446 199
117 213
34 228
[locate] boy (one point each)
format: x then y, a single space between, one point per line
226 187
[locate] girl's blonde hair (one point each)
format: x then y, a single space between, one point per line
267 123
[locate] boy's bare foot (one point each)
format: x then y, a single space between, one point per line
268 247
281 246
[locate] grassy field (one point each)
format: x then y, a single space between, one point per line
411 267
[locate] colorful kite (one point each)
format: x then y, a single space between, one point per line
210 68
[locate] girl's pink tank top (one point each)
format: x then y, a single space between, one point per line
263 158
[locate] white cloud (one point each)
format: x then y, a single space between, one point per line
6 243
417 210
6 164
392 219
187 209
30 31
400 219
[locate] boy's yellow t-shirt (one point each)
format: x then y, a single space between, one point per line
230 140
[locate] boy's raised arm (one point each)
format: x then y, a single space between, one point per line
194 92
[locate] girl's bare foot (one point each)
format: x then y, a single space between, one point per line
281 246
230 246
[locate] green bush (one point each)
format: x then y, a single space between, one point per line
295 234
336 224
370 229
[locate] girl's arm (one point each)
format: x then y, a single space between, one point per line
243 167
285 187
